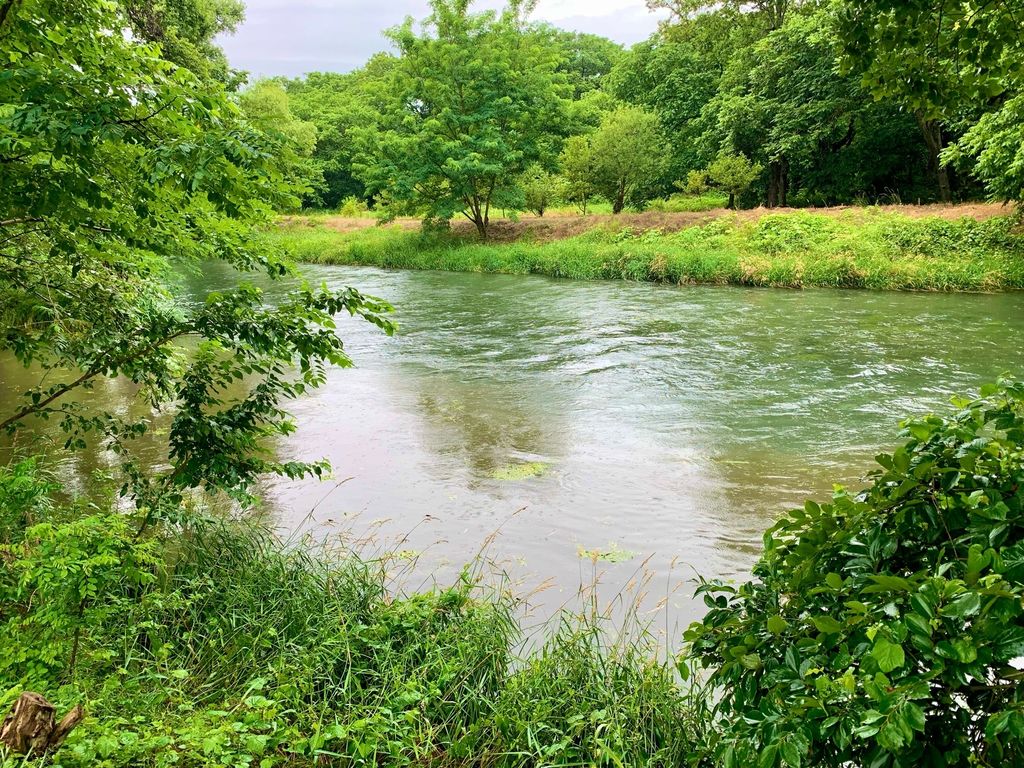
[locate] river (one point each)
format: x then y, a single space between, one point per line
660 427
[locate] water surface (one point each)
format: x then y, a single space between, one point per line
672 423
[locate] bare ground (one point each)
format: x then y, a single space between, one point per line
561 225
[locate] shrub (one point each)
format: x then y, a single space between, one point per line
881 627
353 208
540 189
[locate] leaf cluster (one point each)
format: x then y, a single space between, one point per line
885 628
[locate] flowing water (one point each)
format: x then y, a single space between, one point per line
662 427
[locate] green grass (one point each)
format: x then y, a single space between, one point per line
855 249
213 644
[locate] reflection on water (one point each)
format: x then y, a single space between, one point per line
675 423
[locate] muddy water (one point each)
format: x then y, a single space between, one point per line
659 428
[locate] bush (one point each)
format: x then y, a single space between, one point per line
881 627
353 208
539 189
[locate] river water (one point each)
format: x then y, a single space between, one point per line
660 428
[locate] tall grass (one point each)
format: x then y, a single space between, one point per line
236 650
869 249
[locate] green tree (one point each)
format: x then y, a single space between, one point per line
995 144
673 80
733 174
266 105
186 30
584 59
474 102
629 152
539 189
339 105
784 104
940 61
120 169
772 13
576 164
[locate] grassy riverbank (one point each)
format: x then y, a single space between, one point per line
211 644
854 248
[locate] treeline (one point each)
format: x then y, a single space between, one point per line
775 103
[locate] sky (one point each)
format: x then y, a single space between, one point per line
292 37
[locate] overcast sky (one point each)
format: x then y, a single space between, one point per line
292 37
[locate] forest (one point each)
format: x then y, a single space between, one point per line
159 341
776 103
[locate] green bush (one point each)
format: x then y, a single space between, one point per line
882 628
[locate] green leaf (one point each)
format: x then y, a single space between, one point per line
827 625
889 655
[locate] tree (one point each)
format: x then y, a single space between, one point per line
772 12
882 628
539 189
733 174
119 169
674 81
339 105
783 103
186 30
996 145
577 163
938 60
584 59
265 105
629 154
474 102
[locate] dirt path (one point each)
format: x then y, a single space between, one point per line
561 225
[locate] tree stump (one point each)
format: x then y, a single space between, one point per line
31 727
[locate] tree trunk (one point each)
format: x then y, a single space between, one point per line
620 198
778 183
731 205
31 727
932 132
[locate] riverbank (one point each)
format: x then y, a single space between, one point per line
211 643
951 248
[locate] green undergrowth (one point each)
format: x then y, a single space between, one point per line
859 249
213 644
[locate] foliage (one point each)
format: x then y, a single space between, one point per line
540 189
628 153
784 104
186 30
942 64
931 56
577 162
585 59
882 626
996 144
339 105
353 208
474 101
696 182
211 643
265 105
118 169
734 174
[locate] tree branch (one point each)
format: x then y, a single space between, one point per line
92 373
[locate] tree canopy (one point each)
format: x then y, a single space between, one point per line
120 169
474 100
